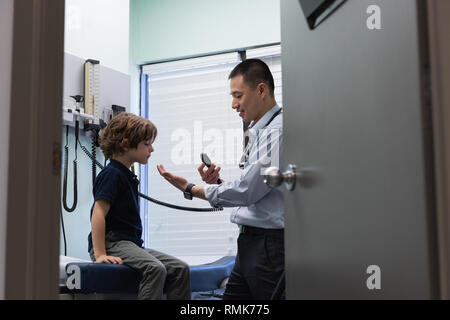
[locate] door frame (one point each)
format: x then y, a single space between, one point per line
32 247
34 183
439 50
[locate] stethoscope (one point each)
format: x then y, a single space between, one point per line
146 197
246 154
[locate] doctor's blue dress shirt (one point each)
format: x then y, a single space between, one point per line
254 203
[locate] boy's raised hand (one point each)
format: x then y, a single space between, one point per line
177 181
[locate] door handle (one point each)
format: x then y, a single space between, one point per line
274 178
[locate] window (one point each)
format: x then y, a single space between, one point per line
189 101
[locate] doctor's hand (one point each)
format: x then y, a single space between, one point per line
177 181
211 175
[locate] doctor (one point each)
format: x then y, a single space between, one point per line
258 209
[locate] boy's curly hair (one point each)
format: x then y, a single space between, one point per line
131 127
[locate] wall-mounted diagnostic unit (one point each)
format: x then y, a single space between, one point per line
92 90
87 109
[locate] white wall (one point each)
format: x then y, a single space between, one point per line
6 30
177 28
169 29
99 29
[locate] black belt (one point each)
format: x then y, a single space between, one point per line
255 230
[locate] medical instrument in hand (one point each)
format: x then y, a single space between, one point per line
207 162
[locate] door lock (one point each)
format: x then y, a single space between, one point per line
274 178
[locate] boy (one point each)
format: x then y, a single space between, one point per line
116 224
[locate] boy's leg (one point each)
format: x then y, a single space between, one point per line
178 283
152 270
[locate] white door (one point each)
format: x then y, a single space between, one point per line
356 121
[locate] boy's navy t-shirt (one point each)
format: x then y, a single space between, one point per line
119 186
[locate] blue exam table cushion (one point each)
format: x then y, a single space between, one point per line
209 276
114 278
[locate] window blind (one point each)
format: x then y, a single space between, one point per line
189 101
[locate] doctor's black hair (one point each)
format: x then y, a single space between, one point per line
254 71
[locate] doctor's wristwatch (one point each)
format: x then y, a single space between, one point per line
188 192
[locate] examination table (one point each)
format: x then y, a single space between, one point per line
81 279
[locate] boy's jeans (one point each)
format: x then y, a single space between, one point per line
159 270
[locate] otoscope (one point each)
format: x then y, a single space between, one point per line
207 162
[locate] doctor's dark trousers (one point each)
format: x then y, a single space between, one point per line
259 264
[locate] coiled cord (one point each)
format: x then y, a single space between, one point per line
94 158
66 165
63 231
